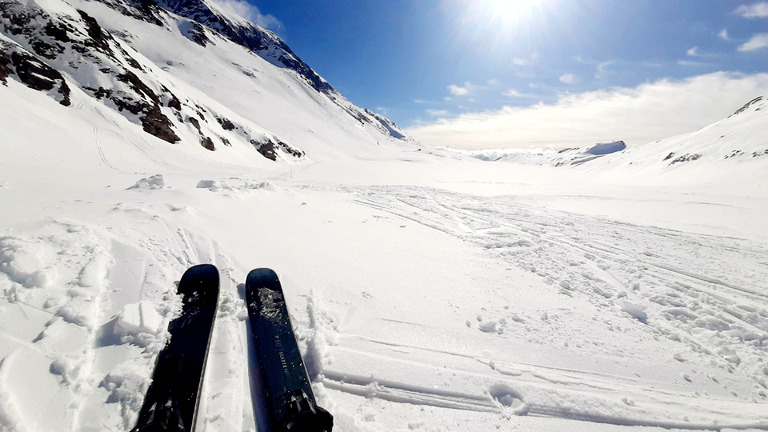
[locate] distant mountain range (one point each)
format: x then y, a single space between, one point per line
186 72
740 138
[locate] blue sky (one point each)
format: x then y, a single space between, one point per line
518 73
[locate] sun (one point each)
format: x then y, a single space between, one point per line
495 24
507 11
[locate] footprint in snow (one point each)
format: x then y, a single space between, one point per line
508 398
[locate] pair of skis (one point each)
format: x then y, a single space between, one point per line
174 393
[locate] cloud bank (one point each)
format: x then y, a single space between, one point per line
636 115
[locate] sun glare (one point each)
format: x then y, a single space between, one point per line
499 23
507 11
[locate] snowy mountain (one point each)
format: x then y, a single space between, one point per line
248 89
734 141
430 291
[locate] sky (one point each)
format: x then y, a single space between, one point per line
533 73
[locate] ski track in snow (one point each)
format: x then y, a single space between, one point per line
701 298
703 295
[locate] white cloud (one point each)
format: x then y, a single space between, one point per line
601 71
724 34
515 94
467 89
637 115
755 10
568 78
438 113
692 52
758 41
519 61
459 91
249 12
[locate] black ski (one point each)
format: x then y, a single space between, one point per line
289 391
174 394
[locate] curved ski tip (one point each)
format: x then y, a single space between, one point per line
202 274
262 277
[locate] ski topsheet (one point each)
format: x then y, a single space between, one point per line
173 396
289 391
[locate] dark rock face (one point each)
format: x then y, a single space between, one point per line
684 158
5 67
208 144
155 123
73 43
268 148
225 123
33 72
747 106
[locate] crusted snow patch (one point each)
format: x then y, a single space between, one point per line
213 185
235 184
635 310
10 418
27 263
126 387
150 183
138 323
488 326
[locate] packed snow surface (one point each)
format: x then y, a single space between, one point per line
430 292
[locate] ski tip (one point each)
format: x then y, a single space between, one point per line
202 274
262 278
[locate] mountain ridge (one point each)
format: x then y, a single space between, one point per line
102 48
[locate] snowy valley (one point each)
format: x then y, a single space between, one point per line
430 290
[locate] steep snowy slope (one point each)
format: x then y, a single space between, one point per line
219 82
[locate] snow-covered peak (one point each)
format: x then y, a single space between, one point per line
189 72
754 105
238 29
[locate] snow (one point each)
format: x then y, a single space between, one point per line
607 148
429 290
428 293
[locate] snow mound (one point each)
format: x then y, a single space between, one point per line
236 184
137 320
150 183
635 310
213 185
607 148
27 264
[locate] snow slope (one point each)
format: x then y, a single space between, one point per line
736 139
430 291
236 92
